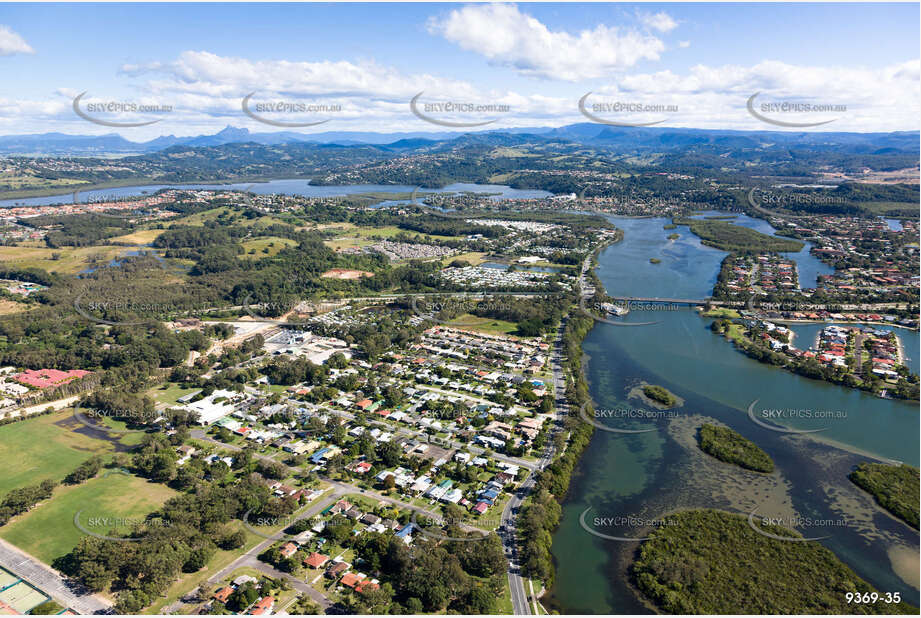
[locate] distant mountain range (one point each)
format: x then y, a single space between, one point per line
590 134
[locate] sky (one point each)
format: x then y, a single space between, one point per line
357 67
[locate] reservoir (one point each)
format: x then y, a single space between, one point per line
645 476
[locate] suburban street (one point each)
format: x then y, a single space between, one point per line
520 604
251 559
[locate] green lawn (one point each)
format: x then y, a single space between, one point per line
170 392
48 531
255 249
486 325
720 312
45 447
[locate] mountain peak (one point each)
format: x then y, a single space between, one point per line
230 131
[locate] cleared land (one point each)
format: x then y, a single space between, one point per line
475 258
260 247
140 237
70 260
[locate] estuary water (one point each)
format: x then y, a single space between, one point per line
638 478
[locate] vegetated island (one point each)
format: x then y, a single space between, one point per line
712 562
732 447
660 395
669 226
655 261
674 236
896 488
737 239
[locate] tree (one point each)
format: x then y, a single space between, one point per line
242 597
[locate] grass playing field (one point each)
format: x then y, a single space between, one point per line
48 531
45 447
486 325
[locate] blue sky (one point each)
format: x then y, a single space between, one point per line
694 64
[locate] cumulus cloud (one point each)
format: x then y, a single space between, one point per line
209 74
897 82
11 43
879 99
506 36
205 92
660 21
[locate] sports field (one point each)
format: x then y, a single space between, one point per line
47 447
48 531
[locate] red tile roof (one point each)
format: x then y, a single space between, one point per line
288 550
262 606
350 580
366 585
44 378
223 594
316 560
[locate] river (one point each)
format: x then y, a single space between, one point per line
645 476
287 186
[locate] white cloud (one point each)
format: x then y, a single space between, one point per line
205 92
660 21
508 37
684 44
11 43
209 74
880 99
